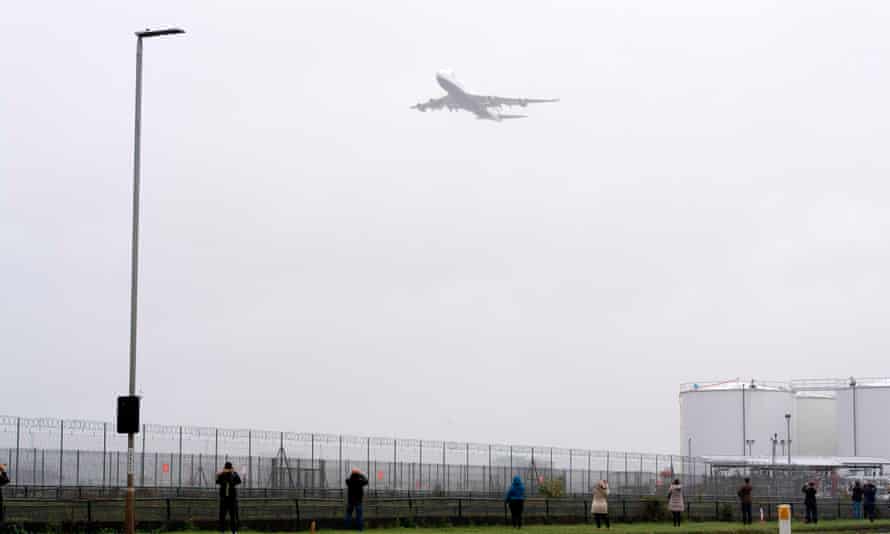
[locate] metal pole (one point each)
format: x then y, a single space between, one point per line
18 429
489 467
249 458
216 448
312 459
369 456
788 431
179 460
467 469
340 460
744 424
395 464
130 504
444 471
853 388
61 449
142 467
104 450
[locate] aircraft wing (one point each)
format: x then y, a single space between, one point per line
432 103
496 101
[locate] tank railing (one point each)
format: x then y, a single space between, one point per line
735 384
822 384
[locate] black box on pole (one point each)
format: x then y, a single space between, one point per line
128 414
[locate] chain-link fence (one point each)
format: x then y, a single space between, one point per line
61 453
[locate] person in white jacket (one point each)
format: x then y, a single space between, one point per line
675 501
600 504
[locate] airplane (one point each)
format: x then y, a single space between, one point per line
484 107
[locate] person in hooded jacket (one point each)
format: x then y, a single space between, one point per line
228 479
355 493
4 480
809 502
856 498
600 504
676 503
869 495
515 500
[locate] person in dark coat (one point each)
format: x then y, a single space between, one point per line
4 480
869 495
515 499
227 480
809 501
856 498
355 493
744 494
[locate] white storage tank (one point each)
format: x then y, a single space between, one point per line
814 424
733 418
862 420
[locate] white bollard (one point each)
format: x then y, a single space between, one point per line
784 519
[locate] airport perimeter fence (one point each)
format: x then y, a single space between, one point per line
48 452
282 514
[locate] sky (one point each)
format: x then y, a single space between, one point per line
708 200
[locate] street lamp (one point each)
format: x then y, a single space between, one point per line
130 508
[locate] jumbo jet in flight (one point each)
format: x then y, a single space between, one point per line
484 107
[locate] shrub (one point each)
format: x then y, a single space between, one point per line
551 488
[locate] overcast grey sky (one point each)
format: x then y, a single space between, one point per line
709 200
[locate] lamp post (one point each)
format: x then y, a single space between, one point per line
788 435
130 508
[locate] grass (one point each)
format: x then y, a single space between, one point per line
837 526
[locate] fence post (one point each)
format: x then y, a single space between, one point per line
215 449
77 467
551 463
61 448
570 472
588 471
395 464
169 511
368 449
15 470
142 467
489 467
104 450
444 471
625 470
179 467
249 458
312 459
420 468
511 461
467 469
340 459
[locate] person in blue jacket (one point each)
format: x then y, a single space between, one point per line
515 499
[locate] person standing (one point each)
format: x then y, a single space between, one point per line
515 500
809 501
869 495
745 497
228 480
856 498
600 504
676 503
355 494
4 480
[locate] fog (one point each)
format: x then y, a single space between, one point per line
709 199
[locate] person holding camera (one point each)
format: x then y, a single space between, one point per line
228 479
4 480
355 493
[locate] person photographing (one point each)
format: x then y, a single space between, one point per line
228 480
355 493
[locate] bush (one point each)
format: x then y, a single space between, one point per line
653 509
725 512
551 488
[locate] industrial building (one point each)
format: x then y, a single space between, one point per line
774 421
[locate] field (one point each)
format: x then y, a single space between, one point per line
838 526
